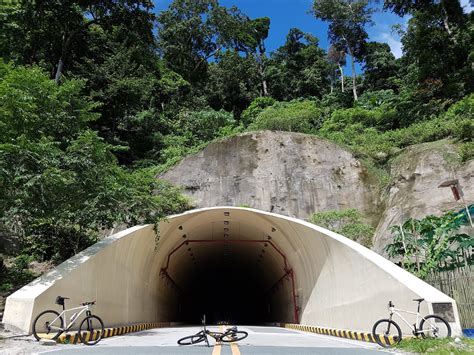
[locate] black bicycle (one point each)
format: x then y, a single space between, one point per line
231 335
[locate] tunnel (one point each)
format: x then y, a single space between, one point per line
236 266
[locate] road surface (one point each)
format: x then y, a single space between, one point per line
261 341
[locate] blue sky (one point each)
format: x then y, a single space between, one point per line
285 14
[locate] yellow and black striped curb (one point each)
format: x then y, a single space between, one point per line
73 337
348 334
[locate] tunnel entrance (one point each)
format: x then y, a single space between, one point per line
235 281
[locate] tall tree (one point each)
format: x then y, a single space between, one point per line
338 57
298 68
380 66
50 31
347 20
187 33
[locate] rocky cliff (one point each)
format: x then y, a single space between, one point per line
296 174
287 173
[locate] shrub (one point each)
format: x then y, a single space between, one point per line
350 223
294 116
258 105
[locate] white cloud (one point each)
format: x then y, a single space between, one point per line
468 5
394 43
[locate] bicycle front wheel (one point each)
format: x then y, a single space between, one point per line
48 325
386 333
192 339
434 327
234 336
91 330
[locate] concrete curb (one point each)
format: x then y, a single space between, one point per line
341 333
73 337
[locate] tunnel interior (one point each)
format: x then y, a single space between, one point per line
237 275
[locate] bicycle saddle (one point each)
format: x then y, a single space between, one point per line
60 300
419 299
234 329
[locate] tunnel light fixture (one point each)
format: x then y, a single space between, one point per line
226 229
226 235
263 251
269 238
226 223
265 245
273 229
180 228
184 236
226 213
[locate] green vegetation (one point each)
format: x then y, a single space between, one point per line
446 346
432 244
349 223
97 99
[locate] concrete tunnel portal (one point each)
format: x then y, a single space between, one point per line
235 265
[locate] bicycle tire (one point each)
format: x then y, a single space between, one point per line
192 339
383 333
234 336
90 335
438 332
41 327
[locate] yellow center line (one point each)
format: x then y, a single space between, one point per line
235 349
217 346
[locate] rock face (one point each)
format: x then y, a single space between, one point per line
296 174
287 173
414 193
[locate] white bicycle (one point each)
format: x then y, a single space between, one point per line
50 324
387 332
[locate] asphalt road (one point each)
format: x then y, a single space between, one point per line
261 341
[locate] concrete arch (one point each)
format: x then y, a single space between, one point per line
236 264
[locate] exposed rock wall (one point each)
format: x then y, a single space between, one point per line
296 174
414 193
287 173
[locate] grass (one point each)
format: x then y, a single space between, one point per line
446 346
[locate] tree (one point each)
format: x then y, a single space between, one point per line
187 37
432 244
298 68
347 20
60 183
380 67
233 82
338 57
52 30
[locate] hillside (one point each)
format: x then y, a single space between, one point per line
297 174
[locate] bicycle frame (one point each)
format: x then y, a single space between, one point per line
63 314
415 326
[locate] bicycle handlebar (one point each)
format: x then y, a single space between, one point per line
91 303
390 304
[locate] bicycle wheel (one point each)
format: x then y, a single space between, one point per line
91 330
434 327
386 333
48 325
234 336
192 339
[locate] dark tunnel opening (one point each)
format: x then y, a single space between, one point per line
232 282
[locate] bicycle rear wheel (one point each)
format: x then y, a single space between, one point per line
434 327
91 330
48 325
386 333
192 339
234 336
